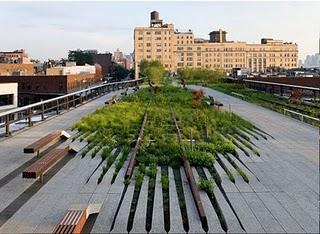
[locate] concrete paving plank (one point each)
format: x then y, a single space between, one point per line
140 216
282 216
193 215
157 214
269 223
121 222
176 224
214 225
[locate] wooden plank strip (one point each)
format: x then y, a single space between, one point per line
37 145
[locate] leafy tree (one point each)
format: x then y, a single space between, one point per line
120 72
81 57
153 71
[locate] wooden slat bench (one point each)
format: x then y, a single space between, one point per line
72 222
214 102
36 146
38 168
111 101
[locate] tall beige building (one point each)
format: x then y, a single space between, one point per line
177 49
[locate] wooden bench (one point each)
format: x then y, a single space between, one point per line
214 102
238 95
72 222
36 146
111 101
38 168
76 217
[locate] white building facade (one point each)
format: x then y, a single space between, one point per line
8 96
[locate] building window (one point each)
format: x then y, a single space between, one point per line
6 99
148 44
148 33
157 32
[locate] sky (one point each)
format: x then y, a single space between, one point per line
50 29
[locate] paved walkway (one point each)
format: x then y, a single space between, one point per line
292 134
11 149
282 195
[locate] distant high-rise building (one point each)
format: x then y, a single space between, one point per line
117 56
176 50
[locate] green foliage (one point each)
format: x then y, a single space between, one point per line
80 57
152 70
119 125
201 75
200 158
139 176
120 72
165 182
152 170
206 185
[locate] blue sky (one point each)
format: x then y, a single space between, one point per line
50 29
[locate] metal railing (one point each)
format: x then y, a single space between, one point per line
302 117
56 105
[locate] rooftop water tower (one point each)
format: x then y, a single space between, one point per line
155 20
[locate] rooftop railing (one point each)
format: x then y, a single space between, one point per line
26 116
302 117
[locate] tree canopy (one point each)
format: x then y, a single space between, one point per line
120 72
201 75
81 57
153 71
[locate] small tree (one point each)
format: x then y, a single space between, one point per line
154 73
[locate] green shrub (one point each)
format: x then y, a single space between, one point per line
165 182
152 171
139 178
206 185
200 158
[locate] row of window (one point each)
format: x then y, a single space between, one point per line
154 32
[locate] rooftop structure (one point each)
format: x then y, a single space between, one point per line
16 56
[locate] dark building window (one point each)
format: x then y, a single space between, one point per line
6 99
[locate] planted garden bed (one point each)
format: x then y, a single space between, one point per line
169 127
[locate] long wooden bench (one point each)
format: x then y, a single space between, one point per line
214 102
72 222
111 101
75 218
38 168
36 146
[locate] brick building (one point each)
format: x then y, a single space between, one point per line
33 88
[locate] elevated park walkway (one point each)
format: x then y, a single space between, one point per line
282 195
